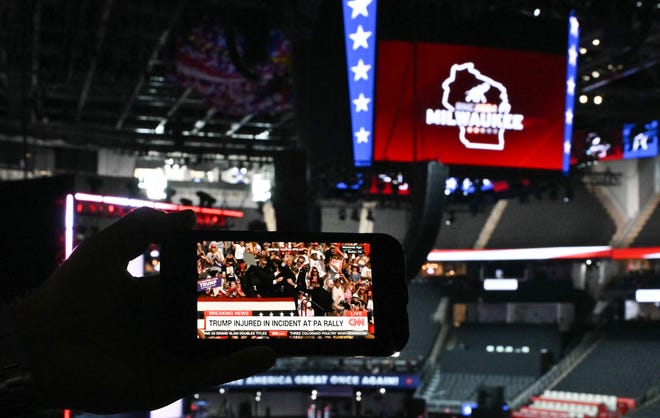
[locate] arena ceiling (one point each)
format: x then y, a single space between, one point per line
107 74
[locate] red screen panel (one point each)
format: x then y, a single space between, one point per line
469 105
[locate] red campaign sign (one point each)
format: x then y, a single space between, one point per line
469 105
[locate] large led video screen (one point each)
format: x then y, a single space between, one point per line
471 105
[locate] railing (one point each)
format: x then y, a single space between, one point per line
559 370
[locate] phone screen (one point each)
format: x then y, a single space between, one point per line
284 290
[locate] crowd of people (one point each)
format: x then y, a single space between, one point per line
323 278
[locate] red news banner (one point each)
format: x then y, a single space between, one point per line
275 318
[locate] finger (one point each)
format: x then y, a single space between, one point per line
128 237
202 373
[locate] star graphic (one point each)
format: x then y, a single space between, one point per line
570 86
359 38
362 103
359 7
569 116
572 55
362 136
567 147
361 71
575 26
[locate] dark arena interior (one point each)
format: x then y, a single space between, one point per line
511 147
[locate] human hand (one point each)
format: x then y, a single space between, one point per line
92 331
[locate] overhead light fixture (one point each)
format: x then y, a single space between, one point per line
647 295
261 188
235 175
451 218
501 284
154 183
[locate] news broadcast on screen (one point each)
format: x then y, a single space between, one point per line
268 290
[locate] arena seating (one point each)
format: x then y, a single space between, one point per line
451 390
648 410
648 236
464 230
581 221
623 363
495 355
616 375
423 299
565 404
536 337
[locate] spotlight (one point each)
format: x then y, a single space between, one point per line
451 218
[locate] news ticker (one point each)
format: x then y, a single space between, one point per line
249 317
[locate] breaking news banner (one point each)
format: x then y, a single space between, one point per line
275 319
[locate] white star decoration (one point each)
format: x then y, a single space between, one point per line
362 103
570 86
359 8
575 26
359 38
361 71
359 30
362 136
569 116
572 56
567 147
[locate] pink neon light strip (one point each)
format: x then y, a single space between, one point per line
548 253
519 254
68 226
136 203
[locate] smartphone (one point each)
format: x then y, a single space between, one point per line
303 294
